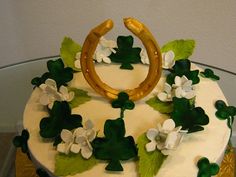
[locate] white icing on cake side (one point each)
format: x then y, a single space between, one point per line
182 163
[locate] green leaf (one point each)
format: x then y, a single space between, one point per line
114 146
149 162
69 49
72 164
80 97
158 105
183 49
125 53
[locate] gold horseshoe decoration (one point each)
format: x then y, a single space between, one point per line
153 51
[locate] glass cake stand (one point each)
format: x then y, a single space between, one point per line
16 88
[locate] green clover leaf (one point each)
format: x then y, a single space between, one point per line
60 117
123 103
188 116
125 53
21 141
207 169
225 112
56 72
208 73
114 146
182 67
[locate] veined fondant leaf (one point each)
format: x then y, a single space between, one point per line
149 162
80 97
72 164
183 49
158 105
68 51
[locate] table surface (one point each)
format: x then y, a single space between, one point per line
15 89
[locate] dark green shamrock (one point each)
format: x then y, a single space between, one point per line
114 146
125 53
207 169
188 116
123 103
21 141
56 72
208 73
42 173
182 67
60 117
225 112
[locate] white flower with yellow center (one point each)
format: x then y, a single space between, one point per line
166 138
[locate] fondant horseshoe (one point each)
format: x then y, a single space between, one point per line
153 51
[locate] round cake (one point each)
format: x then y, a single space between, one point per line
163 134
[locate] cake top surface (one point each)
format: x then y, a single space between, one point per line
157 132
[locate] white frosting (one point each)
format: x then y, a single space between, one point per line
210 143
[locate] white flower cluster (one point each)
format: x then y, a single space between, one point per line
182 88
50 94
78 140
166 138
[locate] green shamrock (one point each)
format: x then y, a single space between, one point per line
225 112
114 146
21 141
182 67
123 103
42 173
125 53
60 117
207 169
208 73
56 72
188 116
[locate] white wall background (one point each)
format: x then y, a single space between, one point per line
31 29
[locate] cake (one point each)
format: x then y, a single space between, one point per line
80 126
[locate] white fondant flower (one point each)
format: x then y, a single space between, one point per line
68 144
83 137
77 60
144 57
167 94
78 141
50 93
165 138
104 49
183 87
65 94
168 59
